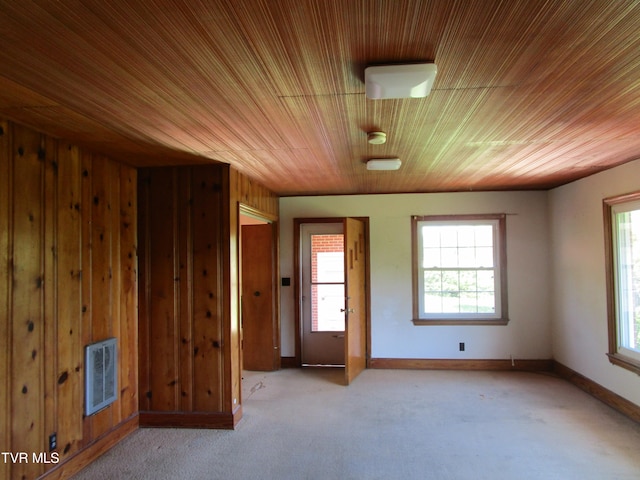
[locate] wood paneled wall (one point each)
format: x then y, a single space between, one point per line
252 194
190 368
67 278
184 307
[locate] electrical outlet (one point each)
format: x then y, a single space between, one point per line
462 346
53 441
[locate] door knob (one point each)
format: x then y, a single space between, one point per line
348 310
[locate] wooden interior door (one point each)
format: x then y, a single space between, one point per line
355 298
259 323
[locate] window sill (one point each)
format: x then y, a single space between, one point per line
624 362
449 321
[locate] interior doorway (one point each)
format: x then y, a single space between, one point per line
259 289
322 281
332 289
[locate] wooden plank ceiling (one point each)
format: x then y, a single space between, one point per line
529 94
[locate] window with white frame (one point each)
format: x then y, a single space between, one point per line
622 220
459 270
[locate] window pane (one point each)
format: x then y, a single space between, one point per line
486 281
433 302
484 257
486 302
450 281
449 257
327 258
468 302
466 235
448 235
450 302
431 236
484 235
467 257
431 258
469 281
327 316
330 267
432 281
628 273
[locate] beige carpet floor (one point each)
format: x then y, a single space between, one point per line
393 424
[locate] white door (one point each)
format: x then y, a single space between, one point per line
323 293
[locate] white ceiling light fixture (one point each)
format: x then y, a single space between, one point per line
383 164
376 138
399 81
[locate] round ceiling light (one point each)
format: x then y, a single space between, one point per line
376 138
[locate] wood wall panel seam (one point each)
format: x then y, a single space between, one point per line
86 268
115 240
144 294
174 380
128 292
6 261
186 273
50 286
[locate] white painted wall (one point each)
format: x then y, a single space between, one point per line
393 335
579 302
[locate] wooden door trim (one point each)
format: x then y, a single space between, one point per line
297 223
244 209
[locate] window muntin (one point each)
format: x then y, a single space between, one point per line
459 265
622 218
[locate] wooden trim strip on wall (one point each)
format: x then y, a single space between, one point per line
92 451
456 364
596 390
213 420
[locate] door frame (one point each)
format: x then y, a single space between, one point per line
297 222
320 347
247 211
